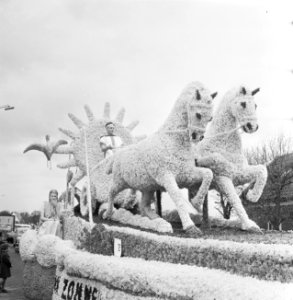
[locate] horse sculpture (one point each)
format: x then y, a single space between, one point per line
221 151
165 160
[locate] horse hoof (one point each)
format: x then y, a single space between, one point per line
251 226
255 230
107 215
197 206
150 214
251 197
193 231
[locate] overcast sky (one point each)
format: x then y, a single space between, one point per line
58 55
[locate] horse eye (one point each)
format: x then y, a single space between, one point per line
210 119
255 106
243 104
198 116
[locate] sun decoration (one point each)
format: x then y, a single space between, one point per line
92 132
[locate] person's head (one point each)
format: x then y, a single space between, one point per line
4 247
110 127
53 197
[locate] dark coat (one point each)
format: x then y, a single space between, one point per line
5 265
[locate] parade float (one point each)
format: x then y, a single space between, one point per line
121 248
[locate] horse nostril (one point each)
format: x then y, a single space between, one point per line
193 135
249 126
256 128
201 138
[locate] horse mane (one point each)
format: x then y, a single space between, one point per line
187 93
228 97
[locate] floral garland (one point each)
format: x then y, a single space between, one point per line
76 230
148 278
171 281
260 260
45 250
27 245
125 217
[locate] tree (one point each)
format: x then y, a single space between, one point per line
224 207
276 155
35 217
27 218
5 213
24 217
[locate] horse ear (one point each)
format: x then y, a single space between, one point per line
255 91
198 96
214 95
243 91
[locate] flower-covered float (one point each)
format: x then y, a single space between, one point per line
106 260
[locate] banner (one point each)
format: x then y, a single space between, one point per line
74 288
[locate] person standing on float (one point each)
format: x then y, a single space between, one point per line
110 141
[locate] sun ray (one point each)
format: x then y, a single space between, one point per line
120 115
76 121
69 164
65 150
69 133
77 177
89 113
132 125
139 138
107 109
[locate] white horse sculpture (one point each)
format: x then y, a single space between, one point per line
165 160
221 151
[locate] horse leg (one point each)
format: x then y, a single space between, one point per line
227 188
190 178
258 174
167 180
145 205
116 188
205 176
130 199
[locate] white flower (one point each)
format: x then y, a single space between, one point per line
45 250
27 245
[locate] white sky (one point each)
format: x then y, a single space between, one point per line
58 55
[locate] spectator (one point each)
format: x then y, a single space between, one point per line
110 141
4 266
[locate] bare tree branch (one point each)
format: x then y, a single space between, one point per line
277 154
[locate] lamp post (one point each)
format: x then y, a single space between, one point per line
6 107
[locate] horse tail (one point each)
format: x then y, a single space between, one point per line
109 167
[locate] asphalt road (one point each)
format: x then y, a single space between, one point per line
14 283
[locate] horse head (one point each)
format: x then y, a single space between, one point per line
199 113
244 109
